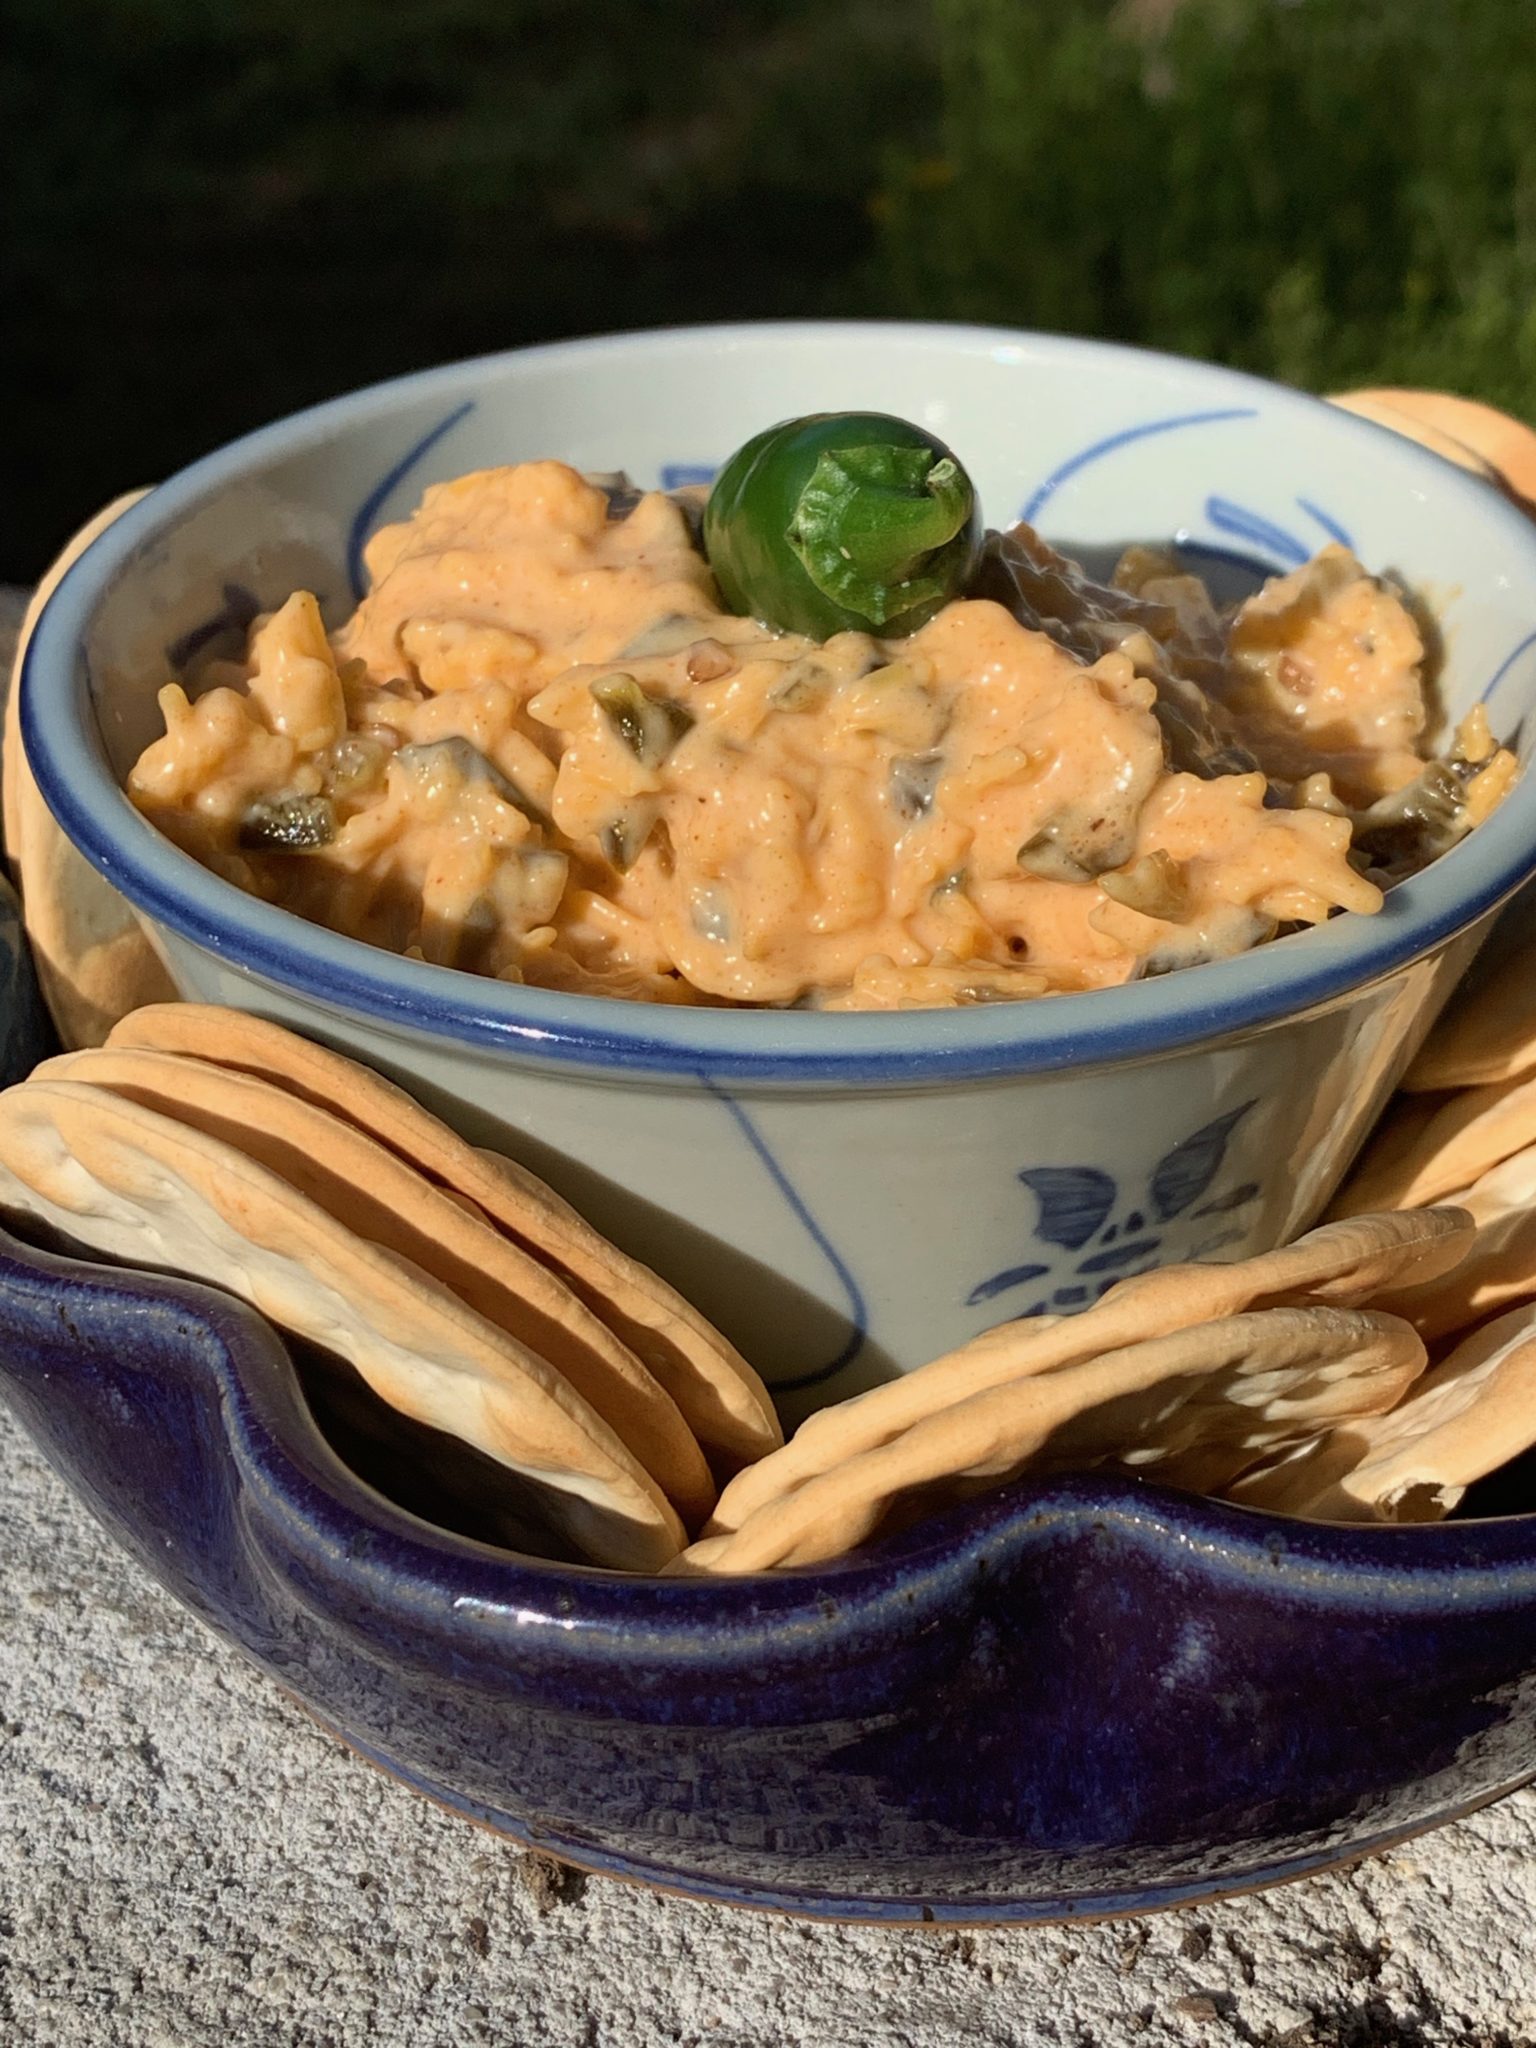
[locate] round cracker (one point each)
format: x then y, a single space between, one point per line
1499 1267
1464 430
1386 409
1469 1415
94 960
1425 1151
1338 1263
719 1395
1485 1036
1191 1408
382 1198
141 1187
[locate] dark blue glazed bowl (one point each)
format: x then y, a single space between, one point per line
1082 1697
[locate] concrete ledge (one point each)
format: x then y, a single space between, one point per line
188 1863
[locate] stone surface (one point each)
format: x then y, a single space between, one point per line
186 1860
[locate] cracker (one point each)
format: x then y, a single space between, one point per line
720 1397
138 1186
1193 1408
1463 429
1499 1267
94 959
1487 1034
1398 410
1468 1416
1339 1263
1425 1151
382 1198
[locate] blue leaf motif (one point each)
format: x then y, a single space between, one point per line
1187 1171
1124 1254
241 606
1229 517
1327 522
675 475
1074 1202
858 1314
1122 438
1000 1283
1218 1243
378 497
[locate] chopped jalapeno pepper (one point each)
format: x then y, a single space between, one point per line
623 839
649 726
291 824
462 760
842 522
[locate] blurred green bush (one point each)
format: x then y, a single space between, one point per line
1328 191
217 210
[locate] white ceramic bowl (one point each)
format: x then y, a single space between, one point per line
846 1195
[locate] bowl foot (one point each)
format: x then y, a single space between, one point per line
885 1909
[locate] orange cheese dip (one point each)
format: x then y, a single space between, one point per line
540 750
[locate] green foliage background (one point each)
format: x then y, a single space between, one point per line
1327 191
216 210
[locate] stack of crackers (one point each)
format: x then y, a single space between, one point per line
463 1291
1352 1375
93 958
1294 1382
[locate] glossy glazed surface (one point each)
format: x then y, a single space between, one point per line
1072 1697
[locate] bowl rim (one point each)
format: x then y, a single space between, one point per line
1284 979
432 1578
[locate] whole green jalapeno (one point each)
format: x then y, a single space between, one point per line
842 522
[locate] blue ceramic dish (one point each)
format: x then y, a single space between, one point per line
1078 1698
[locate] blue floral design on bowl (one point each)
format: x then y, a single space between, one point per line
1081 1210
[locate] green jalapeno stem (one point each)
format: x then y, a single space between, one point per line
870 521
842 522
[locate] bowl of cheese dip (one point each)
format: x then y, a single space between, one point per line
874 987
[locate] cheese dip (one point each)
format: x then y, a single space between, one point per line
540 749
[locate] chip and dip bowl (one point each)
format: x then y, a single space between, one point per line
1079 1694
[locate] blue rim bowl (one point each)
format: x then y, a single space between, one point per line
1282 979
1069 1698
